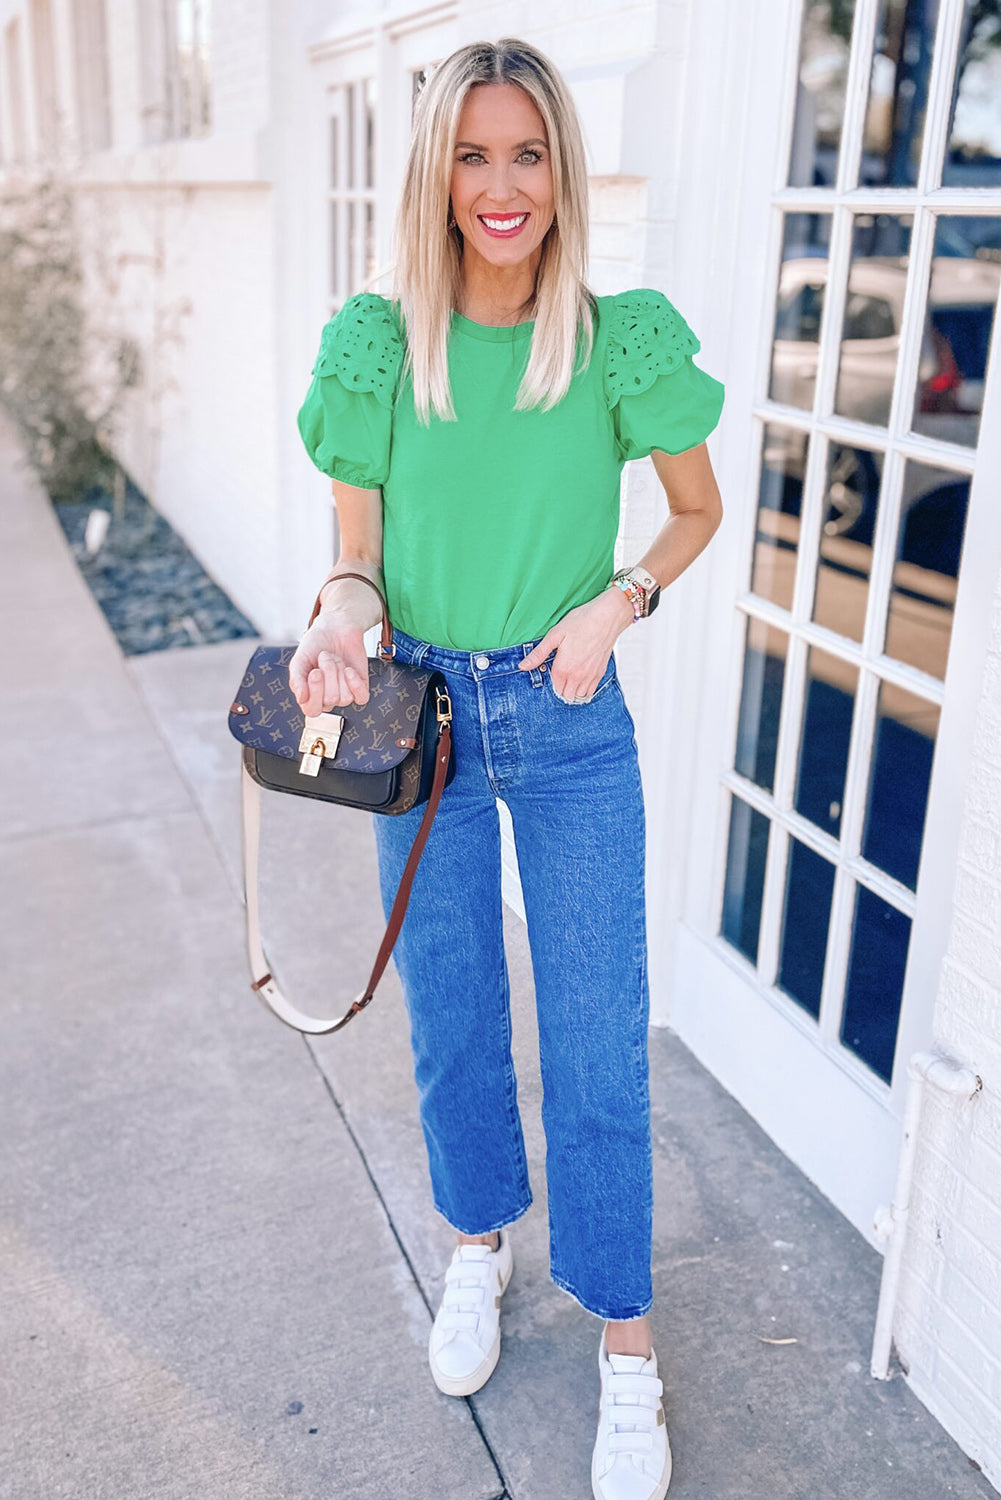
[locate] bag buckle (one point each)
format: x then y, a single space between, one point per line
319 740
444 713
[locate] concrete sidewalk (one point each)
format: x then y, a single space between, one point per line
218 1255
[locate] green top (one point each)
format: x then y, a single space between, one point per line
497 524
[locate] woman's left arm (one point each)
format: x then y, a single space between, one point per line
584 636
696 507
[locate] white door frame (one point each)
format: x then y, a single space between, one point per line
827 1112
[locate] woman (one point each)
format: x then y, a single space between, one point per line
475 427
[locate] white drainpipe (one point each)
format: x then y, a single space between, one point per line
891 1223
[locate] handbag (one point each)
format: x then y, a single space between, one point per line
387 755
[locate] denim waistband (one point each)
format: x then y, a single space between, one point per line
492 662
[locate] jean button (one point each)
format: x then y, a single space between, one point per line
482 661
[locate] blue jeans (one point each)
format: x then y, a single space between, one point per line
569 773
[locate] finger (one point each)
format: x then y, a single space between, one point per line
357 685
327 664
297 675
313 701
538 652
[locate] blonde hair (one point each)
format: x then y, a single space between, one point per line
428 267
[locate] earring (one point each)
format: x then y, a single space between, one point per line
451 220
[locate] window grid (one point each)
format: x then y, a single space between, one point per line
351 192
841 203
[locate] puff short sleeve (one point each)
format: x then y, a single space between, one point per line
658 396
345 420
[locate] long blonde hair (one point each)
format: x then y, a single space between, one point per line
428 270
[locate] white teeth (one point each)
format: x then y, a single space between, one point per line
504 223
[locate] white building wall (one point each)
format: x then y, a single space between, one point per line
948 1323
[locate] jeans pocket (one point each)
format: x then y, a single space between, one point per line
606 679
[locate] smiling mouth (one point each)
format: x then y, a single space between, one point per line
503 226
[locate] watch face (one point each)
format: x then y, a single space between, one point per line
652 600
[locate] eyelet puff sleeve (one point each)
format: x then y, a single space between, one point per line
658 397
346 418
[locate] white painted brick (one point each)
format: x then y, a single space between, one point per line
980 849
979 898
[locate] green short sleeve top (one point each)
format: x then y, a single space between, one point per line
496 524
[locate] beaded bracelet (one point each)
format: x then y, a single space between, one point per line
631 587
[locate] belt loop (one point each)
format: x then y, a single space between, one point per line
533 672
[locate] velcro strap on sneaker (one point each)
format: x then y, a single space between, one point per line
629 1442
625 1383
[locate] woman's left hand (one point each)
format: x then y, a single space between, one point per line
583 639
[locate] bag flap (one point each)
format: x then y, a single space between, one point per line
265 715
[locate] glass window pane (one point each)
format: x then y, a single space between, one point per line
959 321
831 686
808 893
870 335
765 652
904 743
799 308
898 93
820 96
746 853
844 560
923 586
973 154
334 157
876 964
780 494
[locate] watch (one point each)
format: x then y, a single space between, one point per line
641 586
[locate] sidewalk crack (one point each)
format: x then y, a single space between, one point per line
359 1148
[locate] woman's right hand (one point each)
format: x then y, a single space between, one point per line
330 666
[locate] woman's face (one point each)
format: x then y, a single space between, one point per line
501 170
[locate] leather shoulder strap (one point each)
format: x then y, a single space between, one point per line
263 980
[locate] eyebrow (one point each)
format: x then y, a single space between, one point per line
535 141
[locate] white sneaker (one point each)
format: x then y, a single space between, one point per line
464 1346
632 1455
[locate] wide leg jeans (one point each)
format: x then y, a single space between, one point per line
569 774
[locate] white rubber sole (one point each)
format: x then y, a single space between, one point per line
467 1384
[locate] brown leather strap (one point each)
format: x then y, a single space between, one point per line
266 987
399 908
386 640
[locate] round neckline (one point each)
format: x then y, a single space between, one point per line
496 333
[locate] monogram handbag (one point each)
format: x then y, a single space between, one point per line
385 756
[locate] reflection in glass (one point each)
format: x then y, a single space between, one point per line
799 307
876 964
776 537
923 585
746 853
870 335
848 520
831 686
820 94
898 93
899 773
973 154
765 652
809 888
959 320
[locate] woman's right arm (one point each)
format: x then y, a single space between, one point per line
330 665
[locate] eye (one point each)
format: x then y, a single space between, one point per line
528 151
